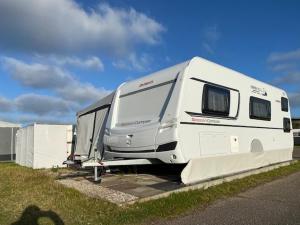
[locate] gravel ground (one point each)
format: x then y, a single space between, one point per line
97 191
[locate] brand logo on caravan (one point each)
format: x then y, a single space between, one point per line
204 120
257 90
146 83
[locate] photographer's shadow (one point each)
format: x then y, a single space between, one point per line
32 214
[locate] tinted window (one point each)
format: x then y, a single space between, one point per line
260 109
216 100
284 104
286 124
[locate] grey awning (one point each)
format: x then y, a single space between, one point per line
103 102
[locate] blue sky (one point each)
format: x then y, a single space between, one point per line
57 56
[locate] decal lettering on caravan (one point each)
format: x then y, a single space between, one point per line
135 122
204 120
257 90
146 83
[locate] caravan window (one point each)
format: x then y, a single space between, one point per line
286 124
284 104
260 109
216 100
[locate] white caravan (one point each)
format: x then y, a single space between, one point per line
215 120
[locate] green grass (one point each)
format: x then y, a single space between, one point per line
23 188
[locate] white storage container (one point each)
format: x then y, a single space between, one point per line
43 145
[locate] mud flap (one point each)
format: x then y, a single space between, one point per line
201 169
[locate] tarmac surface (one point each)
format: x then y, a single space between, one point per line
274 203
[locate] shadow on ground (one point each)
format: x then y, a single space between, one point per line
32 214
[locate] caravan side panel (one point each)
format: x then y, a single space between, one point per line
218 144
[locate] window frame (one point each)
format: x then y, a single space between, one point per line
251 116
287 104
205 109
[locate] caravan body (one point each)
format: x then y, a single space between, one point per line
216 119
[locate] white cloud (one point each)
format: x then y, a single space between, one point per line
292 78
53 78
294 99
287 65
37 75
44 105
211 36
57 35
212 33
134 62
208 47
63 26
92 62
6 105
31 107
284 56
82 93
41 107
282 67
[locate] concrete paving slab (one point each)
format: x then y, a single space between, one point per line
125 187
131 187
144 192
166 186
144 187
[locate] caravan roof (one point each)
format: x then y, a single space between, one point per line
171 72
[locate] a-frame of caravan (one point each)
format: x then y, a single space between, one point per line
214 119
